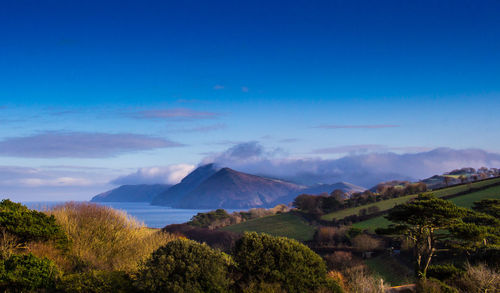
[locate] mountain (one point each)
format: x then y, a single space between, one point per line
228 188
172 196
131 193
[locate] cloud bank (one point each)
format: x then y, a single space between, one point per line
155 175
372 126
361 169
80 145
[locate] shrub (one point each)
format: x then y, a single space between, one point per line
432 285
268 259
339 259
96 282
366 242
30 225
358 279
185 266
479 278
107 239
27 272
443 272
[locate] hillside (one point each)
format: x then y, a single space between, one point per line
288 225
232 189
131 193
465 200
388 204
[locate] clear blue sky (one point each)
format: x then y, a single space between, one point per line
182 79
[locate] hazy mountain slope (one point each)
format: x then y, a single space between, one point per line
232 189
171 196
131 193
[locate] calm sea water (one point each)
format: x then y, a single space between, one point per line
152 216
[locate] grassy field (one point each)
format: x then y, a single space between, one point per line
465 201
288 225
390 203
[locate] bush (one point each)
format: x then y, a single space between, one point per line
27 272
185 266
358 279
96 281
30 225
443 272
479 278
106 239
366 242
432 285
263 258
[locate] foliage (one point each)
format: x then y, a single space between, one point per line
479 278
488 206
27 272
365 242
432 285
268 259
30 225
185 266
207 219
444 272
419 221
106 239
96 282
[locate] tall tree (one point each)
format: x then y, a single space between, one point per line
419 220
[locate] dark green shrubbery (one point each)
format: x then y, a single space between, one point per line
206 219
96 282
185 266
444 272
30 225
27 272
265 259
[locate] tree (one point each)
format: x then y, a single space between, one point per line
185 266
262 258
27 273
30 225
419 220
488 206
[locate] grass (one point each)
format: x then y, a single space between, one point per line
288 225
465 201
390 203
390 270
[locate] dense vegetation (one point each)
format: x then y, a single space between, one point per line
107 251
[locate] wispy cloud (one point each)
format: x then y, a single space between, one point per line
175 114
80 145
366 148
205 128
245 89
218 87
367 126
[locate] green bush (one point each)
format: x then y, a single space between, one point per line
443 272
206 219
261 258
30 225
185 266
27 272
96 281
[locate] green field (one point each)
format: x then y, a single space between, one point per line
465 201
390 203
288 225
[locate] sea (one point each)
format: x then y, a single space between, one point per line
151 216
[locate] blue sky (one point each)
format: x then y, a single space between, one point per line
121 85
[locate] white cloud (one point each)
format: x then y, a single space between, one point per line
156 175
